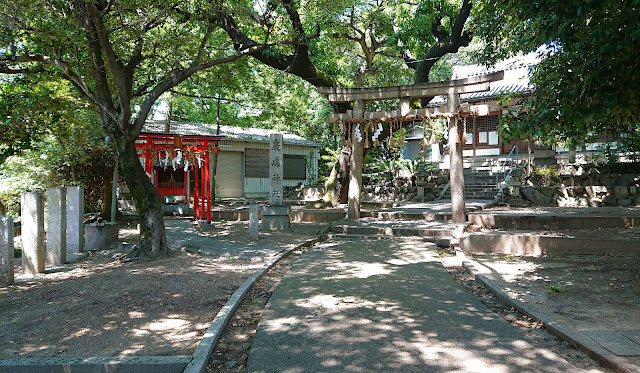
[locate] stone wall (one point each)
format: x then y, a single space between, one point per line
588 187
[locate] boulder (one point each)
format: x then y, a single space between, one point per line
610 200
624 181
548 191
621 192
583 202
429 196
534 196
624 202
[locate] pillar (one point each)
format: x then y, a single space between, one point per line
75 220
6 250
56 247
275 216
32 216
456 162
253 221
357 162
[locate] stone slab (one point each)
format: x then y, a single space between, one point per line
100 237
633 335
33 249
75 220
56 245
275 210
276 222
614 342
6 250
253 220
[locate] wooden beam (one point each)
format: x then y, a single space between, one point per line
478 83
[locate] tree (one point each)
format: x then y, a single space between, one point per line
586 83
382 31
121 56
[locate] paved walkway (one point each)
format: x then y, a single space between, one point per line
381 305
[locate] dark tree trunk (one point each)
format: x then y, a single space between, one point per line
153 241
107 192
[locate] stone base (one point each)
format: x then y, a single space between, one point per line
175 210
276 218
100 237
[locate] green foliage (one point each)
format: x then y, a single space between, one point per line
546 176
586 83
557 290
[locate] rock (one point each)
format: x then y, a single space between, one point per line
534 196
583 201
215 362
568 182
624 202
633 190
608 181
624 181
578 190
441 179
621 192
548 191
230 364
246 346
609 200
429 196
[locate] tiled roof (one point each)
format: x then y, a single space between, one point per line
494 92
230 132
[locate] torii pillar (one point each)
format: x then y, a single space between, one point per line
357 163
458 212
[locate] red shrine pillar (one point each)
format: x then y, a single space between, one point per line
207 188
196 194
148 167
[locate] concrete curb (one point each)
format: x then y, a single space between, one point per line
200 357
572 336
137 364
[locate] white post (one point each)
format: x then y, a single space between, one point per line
6 250
32 216
75 220
56 248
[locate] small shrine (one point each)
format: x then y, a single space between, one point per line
172 161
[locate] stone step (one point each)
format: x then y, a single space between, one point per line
405 215
439 232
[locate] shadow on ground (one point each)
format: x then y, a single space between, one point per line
357 305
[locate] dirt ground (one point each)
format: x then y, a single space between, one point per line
102 306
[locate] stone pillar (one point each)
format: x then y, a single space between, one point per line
253 220
6 250
276 169
357 161
275 216
56 249
75 220
32 215
458 210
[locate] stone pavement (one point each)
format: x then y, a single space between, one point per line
385 305
181 233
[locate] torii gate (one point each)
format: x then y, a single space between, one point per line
359 96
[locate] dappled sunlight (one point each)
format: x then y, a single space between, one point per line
103 307
354 305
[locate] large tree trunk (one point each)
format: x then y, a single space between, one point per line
153 240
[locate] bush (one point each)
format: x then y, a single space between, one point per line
546 176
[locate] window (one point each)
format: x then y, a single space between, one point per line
256 164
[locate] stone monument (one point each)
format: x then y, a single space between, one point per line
6 250
75 220
56 248
32 215
275 216
253 221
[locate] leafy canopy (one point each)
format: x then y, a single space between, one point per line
587 82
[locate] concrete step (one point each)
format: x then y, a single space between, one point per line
401 228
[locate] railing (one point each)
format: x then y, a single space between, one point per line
504 171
